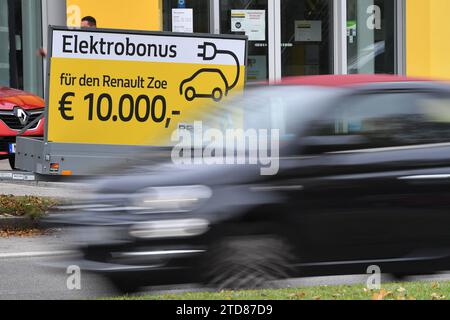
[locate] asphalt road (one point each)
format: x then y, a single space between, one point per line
24 271
23 274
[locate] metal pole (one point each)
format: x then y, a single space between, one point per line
340 36
214 14
401 37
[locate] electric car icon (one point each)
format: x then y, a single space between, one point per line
213 82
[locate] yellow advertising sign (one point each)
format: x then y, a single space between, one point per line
136 88
117 14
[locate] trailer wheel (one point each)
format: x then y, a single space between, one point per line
123 285
12 162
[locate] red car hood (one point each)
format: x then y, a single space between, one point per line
10 98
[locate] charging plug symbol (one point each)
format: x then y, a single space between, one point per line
218 85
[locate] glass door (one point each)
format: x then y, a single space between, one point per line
371 36
306 37
251 18
313 37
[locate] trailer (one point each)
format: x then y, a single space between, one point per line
114 95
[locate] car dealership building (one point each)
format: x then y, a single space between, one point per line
286 37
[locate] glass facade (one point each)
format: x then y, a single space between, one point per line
4 44
200 14
303 33
306 37
371 36
20 37
286 37
249 17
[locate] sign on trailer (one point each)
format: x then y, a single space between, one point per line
115 87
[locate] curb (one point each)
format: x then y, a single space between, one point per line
45 184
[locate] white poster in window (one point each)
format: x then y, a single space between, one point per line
183 20
250 22
308 31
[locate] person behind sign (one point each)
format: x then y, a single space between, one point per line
86 22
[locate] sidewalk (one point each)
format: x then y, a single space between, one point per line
40 188
39 191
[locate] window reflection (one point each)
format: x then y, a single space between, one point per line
393 119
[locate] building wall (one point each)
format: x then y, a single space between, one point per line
134 15
428 38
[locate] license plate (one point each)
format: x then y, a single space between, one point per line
12 148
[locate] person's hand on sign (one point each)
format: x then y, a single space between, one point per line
41 52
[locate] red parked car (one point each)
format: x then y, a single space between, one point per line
17 110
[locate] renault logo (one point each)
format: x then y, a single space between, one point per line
22 115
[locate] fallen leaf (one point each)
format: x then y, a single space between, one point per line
381 295
22 233
436 296
297 295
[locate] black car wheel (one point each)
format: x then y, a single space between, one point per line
247 262
124 285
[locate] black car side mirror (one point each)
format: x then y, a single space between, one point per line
324 144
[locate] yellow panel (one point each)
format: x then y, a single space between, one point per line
428 38
117 14
440 39
418 38
124 88
95 123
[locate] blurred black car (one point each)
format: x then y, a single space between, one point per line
363 179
